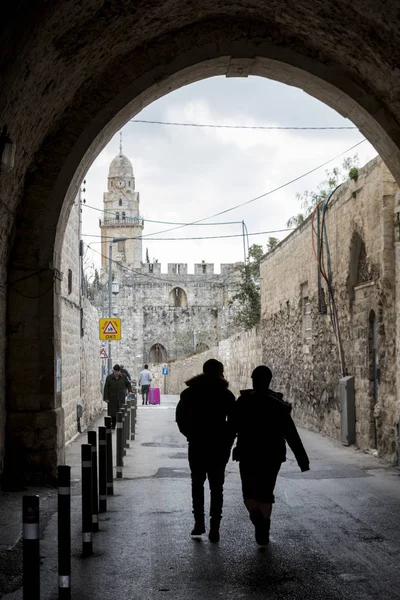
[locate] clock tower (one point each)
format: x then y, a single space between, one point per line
121 215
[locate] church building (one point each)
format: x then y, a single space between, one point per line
165 314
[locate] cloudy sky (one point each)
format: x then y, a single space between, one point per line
187 173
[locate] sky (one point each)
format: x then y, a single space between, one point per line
188 173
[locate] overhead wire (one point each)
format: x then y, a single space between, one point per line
206 237
260 127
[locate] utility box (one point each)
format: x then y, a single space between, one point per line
347 410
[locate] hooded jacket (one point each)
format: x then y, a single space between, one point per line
264 425
205 412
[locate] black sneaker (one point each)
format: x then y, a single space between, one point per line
261 527
213 534
199 528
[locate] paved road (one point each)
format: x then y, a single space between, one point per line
335 532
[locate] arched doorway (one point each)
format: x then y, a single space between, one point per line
158 354
98 86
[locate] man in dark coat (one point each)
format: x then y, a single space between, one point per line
264 425
116 388
205 415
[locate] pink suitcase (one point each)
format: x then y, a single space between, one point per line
154 395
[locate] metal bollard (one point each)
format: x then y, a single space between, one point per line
128 435
30 552
133 421
86 455
120 442
126 428
103 468
64 532
110 475
123 410
92 440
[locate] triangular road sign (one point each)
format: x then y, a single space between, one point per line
103 353
109 328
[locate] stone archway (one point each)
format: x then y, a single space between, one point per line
158 354
89 70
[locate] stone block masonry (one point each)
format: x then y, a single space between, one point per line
240 354
298 339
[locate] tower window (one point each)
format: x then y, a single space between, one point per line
123 216
117 216
129 183
120 202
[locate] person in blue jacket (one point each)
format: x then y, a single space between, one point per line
264 425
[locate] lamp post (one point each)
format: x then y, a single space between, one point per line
113 241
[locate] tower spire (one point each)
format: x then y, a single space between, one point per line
120 143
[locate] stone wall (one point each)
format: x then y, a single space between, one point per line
80 362
302 349
240 354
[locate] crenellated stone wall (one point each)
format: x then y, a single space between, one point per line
302 348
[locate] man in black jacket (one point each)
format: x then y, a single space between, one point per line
263 426
205 415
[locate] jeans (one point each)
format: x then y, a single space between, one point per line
145 394
205 464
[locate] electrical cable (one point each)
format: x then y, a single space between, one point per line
207 237
262 127
261 195
152 277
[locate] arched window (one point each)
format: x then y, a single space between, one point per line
359 269
178 298
123 215
117 216
158 354
120 202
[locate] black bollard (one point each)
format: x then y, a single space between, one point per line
92 440
123 430
64 532
120 448
103 467
133 421
30 551
86 455
126 428
110 475
128 433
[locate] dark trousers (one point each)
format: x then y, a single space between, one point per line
113 421
145 394
205 464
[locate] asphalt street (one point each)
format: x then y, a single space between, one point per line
335 530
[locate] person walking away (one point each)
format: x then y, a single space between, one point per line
145 378
126 372
205 416
116 387
264 425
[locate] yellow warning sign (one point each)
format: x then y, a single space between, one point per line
110 329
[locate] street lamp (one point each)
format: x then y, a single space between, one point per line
110 292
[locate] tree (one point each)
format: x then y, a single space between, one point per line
272 243
308 200
248 296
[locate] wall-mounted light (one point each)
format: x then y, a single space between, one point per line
7 151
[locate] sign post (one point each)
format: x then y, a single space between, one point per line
164 372
109 329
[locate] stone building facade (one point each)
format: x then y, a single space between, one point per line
297 336
164 315
79 363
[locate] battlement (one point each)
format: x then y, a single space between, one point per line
182 268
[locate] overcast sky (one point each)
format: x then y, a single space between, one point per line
188 173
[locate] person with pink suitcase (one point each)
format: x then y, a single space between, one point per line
145 379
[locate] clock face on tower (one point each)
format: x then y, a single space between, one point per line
120 183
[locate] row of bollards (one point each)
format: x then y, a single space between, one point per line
97 484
